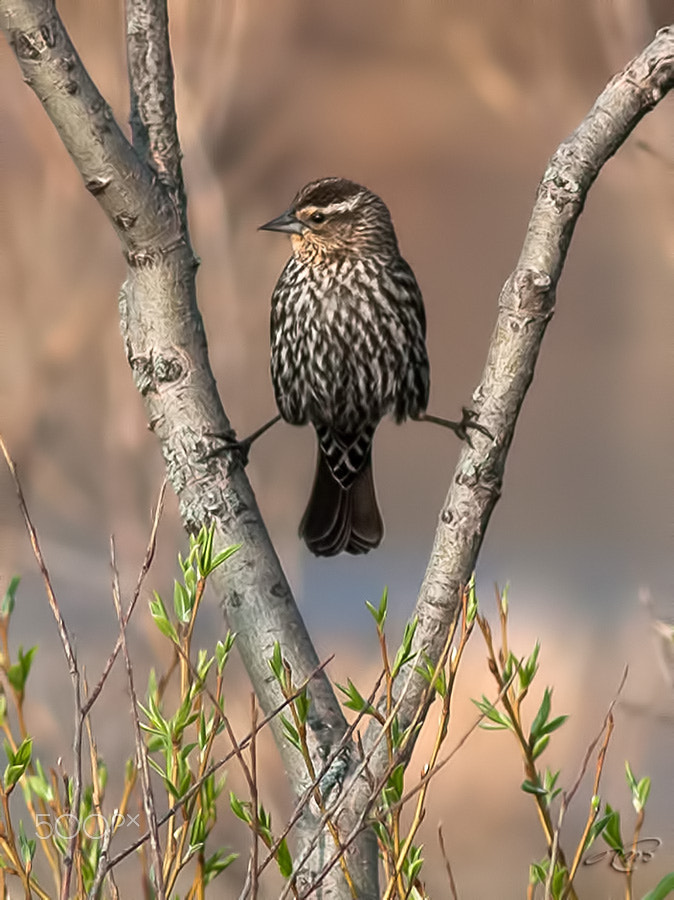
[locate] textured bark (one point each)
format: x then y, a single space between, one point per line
526 305
140 189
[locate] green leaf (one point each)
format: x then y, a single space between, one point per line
379 614
639 789
18 673
404 653
530 788
284 860
203 730
511 665
182 603
611 833
540 746
355 700
413 863
663 888
643 790
291 733
276 663
426 669
302 704
222 650
596 829
471 606
396 782
553 725
27 846
222 556
550 779
498 719
383 836
559 878
9 598
161 619
198 831
529 668
541 717
205 563
17 763
216 864
538 873
40 785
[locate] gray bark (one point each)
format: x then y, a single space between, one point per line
140 190
526 305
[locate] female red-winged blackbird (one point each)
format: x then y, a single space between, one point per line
347 348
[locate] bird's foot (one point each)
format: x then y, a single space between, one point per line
227 443
461 429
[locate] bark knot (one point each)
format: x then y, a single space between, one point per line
31 44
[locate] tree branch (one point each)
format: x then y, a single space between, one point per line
526 305
166 347
154 125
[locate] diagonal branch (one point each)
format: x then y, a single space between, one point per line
526 305
166 346
123 185
73 669
142 755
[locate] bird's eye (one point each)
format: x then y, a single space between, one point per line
317 217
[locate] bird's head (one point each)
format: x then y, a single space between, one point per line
332 218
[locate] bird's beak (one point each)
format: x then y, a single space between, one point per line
287 222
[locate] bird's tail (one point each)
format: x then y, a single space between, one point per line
340 518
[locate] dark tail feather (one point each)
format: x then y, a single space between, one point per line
341 519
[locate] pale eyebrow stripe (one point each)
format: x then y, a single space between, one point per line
338 206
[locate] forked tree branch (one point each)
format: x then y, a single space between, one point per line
154 126
140 189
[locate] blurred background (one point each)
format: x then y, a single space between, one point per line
449 111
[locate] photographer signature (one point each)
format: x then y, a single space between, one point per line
641 853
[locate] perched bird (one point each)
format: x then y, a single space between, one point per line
347 348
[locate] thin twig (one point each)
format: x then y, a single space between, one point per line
245 890
214 767
141 750
254 795
360 823
331 809
441 733
144 569
607 730
309 791
590 750
362 768
102 859
376 789
448 868
69 856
